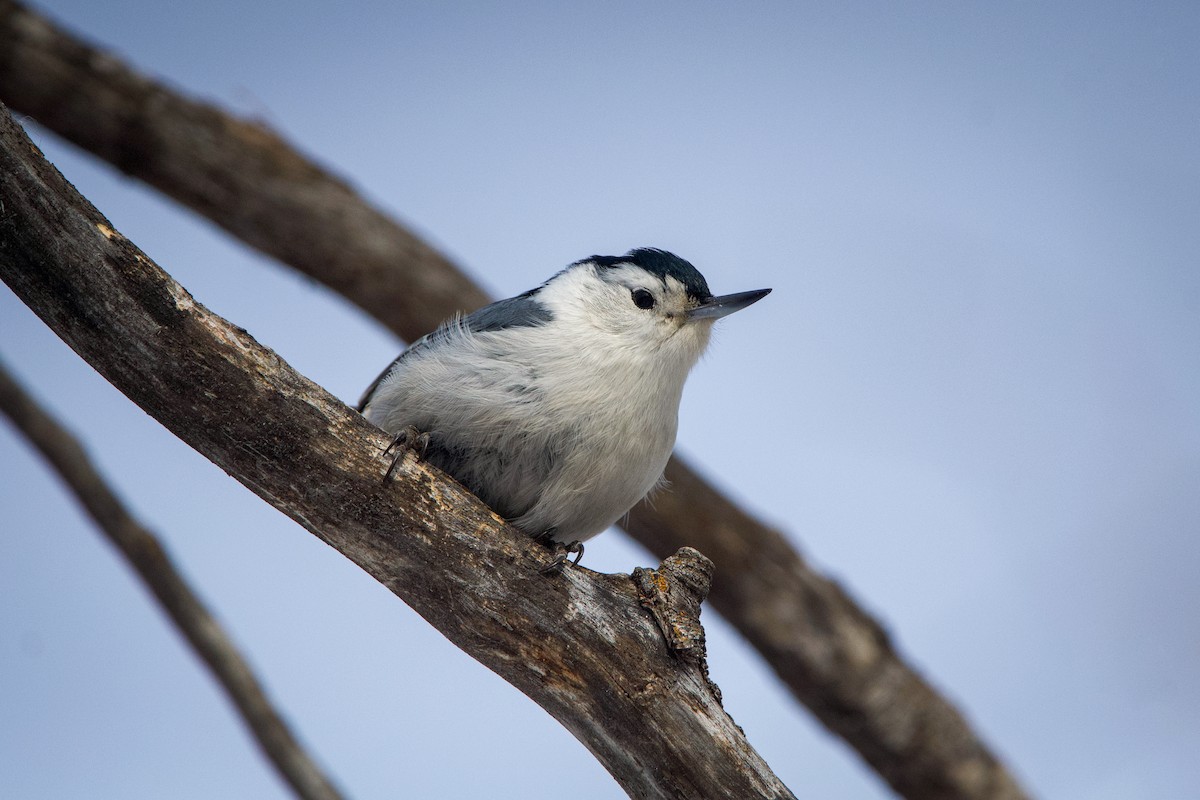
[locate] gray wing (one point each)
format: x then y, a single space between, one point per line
522 311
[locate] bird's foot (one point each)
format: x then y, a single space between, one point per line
409 439
561 554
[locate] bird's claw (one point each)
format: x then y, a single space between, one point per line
409 439
561 554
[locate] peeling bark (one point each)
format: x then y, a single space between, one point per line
831 653
578 643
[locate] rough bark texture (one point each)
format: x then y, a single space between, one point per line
578 643
149 560
833 655
830 652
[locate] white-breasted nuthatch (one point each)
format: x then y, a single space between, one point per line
558 407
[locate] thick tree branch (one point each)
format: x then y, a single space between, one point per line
150 561
578 643
238 174
825 647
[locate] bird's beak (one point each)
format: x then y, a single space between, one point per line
717 307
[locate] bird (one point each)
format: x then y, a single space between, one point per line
558 407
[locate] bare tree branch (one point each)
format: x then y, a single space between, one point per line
832 654
578 643
146 555
238 174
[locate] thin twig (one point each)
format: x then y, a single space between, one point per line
150 561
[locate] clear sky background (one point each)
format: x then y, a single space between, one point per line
973 397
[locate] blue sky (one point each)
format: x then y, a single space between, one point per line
973 397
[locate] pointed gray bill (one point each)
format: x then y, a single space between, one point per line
726 304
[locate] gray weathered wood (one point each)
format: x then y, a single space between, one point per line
151 563
824 646
579 643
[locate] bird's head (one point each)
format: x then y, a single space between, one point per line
650 301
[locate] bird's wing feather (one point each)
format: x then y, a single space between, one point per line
524 310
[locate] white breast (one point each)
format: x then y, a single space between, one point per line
561 426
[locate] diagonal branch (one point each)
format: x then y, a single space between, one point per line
832 654
145 554
578 643
239 174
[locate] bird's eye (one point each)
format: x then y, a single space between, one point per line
643 299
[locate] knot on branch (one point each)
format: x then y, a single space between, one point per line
673 594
